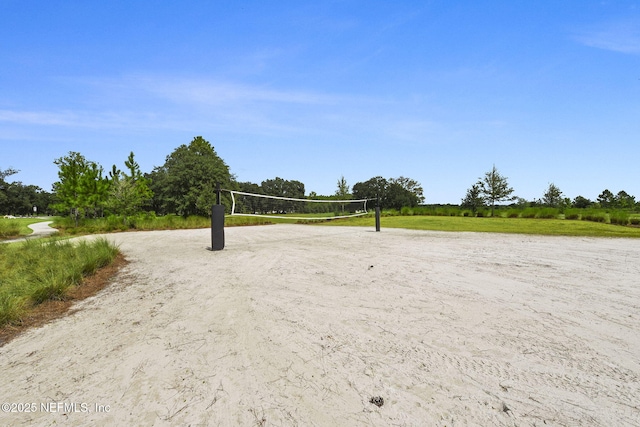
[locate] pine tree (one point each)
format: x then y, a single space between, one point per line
495 188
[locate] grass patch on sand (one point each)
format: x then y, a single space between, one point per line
36 271
550 227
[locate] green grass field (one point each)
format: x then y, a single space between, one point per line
551 227
146 223
555 227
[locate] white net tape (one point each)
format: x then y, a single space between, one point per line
262 205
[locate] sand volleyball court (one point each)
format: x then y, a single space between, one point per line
297 325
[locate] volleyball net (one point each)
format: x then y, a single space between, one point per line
262 205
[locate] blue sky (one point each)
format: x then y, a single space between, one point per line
438 91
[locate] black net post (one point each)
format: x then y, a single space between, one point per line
377 214
217 223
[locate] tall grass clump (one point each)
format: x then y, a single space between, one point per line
144 221
407 211
35 271
594 216
547 213
513 213
447 211
540 213
572 213
9 228
529 213
390 212
619 218
431 210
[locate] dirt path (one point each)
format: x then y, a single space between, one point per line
301 325
42 229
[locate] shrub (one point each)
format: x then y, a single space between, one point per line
451 211
114 222
407 211
390 212
513 213
572 214
619 218
193 221
595 216
11 307
49 287
9 228
547 213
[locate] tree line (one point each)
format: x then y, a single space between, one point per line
494 188
186 185
17 198
393 193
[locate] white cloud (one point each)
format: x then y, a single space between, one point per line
623 37
180 104
82 119
214 92
38 118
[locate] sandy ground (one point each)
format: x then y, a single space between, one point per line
299 326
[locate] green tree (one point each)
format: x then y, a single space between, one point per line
473 199
186 183
343 189
407 189
283 188
128 192
250 204
607 199
553 196
7 172
398 197
581 202
374 188
624 200
495 188
394 193
19 199
39 198
96 189
342 192
22 198
81 187
4 189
